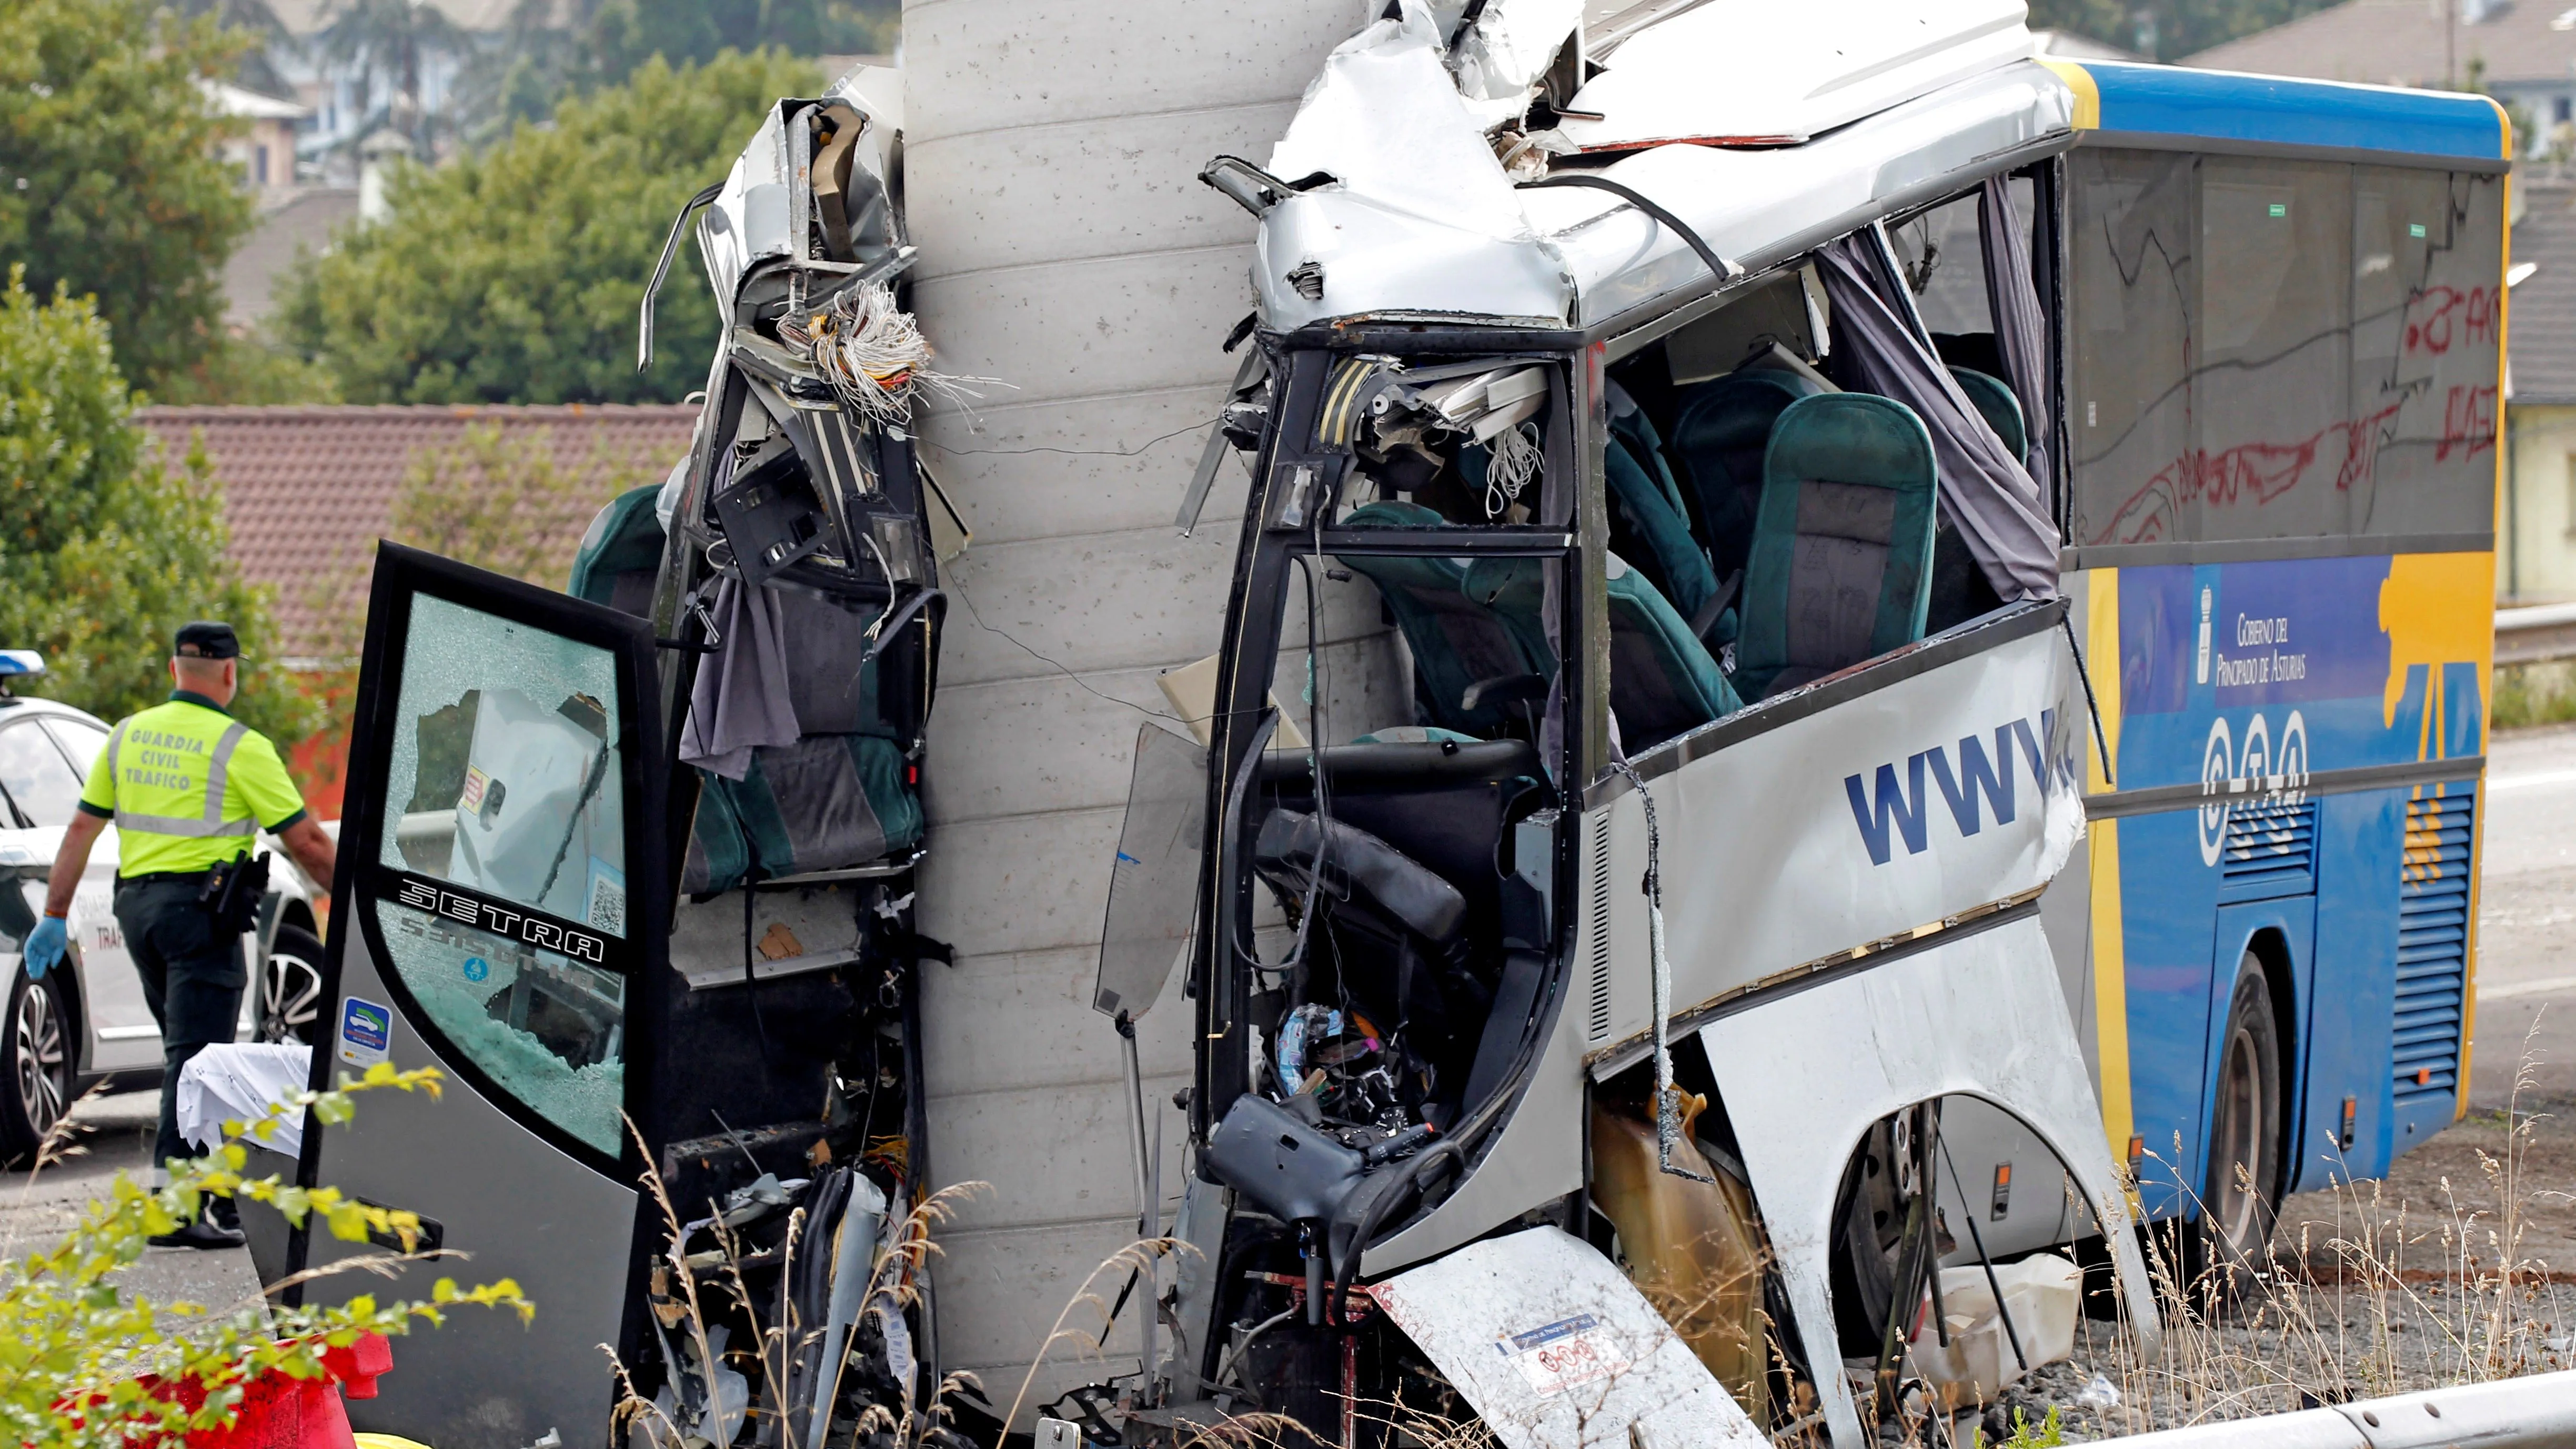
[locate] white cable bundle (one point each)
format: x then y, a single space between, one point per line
874 355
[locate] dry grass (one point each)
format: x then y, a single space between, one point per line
2395 1297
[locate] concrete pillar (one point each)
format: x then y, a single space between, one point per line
1051 155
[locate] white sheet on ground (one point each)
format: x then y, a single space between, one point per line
239 1082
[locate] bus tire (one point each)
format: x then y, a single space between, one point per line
2240 1195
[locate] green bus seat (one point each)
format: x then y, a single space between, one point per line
1719 433
1840 569
1996 404
1455 642
1648 521
1663 682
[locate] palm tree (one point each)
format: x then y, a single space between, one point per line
269 36
388 40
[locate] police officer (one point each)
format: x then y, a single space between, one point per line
188 788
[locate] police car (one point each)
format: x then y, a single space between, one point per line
87 1019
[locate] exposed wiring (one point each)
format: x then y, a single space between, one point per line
1718 267
873 354
958 588
1668 1119
1513 459
1140 448
2101 741
1234 1350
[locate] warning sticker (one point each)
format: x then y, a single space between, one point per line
1564 1354
472 799
366 1030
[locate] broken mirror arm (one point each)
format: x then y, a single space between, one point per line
1237 429
662 273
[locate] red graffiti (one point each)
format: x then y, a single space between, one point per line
2440 318
2468 422
2253 473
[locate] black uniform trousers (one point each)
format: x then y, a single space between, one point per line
192 979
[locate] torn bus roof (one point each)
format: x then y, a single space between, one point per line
775 199
1735 74
1414 202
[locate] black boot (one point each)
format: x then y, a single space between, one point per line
202 1233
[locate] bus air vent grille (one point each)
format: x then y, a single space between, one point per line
2432 944
2271 850
1597 904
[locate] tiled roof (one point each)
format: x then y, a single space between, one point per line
2403 42
2541 331
308 490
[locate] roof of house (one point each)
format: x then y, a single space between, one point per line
2541 338
302 222
233 100
308 490
2403 42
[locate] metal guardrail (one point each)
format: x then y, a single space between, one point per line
2535 635
2538 1412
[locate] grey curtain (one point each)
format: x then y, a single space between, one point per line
2021 327
1986 493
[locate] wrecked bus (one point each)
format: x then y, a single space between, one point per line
633 867
1710 547
1630 874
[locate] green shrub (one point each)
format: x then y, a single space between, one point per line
74 1343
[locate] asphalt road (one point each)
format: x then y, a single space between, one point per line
35 1211
2527 920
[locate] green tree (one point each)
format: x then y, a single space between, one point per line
513 276
559 48
110 183
2167 29
106 551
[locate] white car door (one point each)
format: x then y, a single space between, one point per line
45 785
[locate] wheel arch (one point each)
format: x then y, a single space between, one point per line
2270 945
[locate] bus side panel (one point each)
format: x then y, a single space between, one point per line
2359 841
2167 905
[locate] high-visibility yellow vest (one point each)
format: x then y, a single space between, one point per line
188 786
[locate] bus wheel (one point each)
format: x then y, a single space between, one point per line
2238 1197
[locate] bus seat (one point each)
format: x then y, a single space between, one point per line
1663 681
1719 433
1455 643
1651 524
1997 405
620 557
1840 568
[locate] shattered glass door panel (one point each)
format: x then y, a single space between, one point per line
505 779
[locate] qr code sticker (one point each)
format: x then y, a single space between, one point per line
608 904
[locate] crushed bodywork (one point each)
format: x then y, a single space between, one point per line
638 873
1684 720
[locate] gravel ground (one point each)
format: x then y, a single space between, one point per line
2374 1296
